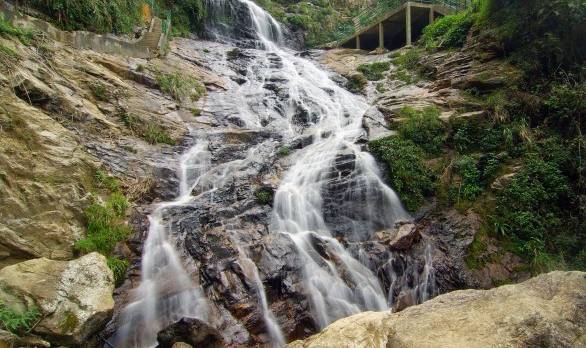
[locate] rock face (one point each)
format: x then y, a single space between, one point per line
545 311
193 332
74 298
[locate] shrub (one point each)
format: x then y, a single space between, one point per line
118 267
284 151
566 108
155 134
448 32
264 196
374 71
7 29
408 60
101 92
423 127
180 87
356 83
15 321
407 172
470 179
105 181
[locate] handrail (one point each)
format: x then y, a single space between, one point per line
369 15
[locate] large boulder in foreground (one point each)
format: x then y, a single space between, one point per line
73 297
546 311
190 332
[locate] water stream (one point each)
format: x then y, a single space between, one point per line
331 193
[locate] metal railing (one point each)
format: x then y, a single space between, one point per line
370 15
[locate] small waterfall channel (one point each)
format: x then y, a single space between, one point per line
330 195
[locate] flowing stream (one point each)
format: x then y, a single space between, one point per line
336 282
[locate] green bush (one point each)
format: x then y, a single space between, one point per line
15 321
180 86
356 83
536 207
374 71
118 267
105 181
407 172
264 196
566 108
284 151
470 179
155 134
423 127
118 16
448 32
408 60
7 29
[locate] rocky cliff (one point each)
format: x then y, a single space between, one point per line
545 311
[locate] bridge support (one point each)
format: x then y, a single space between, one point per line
381 36
431 15
358 41
408 24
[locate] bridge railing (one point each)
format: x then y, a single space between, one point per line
371 14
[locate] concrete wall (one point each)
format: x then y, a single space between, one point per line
149 45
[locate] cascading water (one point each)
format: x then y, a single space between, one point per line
330 172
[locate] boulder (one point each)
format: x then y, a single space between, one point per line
73 297
546 311
405 236
191 332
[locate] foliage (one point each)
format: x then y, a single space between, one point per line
407 172
423 127
566 107
15 321
118 16
537 210
7 29
470 179
408 60
100 92
284 151
540 36
155 134
356 83
105 181
264 196
374 71
187 15
118 267
448 31
105 224
180 86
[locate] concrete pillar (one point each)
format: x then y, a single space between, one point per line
381 36
357 42
408 23
431 15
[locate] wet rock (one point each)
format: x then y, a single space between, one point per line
404 237
11 340
73 297
546 311
375 124
192 332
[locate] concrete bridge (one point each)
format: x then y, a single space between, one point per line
393 24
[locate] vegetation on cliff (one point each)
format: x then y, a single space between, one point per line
119 16
520 166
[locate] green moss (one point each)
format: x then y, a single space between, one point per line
26 36
196 112
374 71
283 151
408 60
476 250
264 196
17 321
69 322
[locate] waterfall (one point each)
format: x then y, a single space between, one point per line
166 293
331 173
